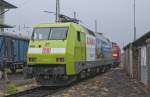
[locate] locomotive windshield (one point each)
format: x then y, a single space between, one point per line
50 33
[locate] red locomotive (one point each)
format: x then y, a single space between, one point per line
116 54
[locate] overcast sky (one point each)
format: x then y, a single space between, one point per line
115 17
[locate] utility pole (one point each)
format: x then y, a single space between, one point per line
95 26
134 21
57 10
75 15
19 28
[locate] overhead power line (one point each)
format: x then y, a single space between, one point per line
24 3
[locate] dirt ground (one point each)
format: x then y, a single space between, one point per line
111 84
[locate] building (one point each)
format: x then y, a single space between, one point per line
4 7
137 59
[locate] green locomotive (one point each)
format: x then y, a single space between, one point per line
60 53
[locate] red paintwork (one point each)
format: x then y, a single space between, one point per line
116 52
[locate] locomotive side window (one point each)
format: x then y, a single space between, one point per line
78 36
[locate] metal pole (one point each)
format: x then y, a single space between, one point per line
19 28
57 10
75 15
95 26
134 22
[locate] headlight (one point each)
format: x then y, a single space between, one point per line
32 59
60 59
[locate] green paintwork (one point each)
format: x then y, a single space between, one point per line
75 50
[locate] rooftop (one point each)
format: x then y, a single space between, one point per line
13 35
139 41
5 4
5 26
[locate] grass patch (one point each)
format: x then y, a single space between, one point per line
11 89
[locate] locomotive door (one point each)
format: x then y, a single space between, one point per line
83 47
80 50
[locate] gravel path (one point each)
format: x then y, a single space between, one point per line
111 84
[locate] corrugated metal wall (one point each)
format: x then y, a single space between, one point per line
143 65
128 62
139 64
148 64
136 63
140 60
126 58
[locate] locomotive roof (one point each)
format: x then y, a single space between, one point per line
53 25
7 34
102 37
5 26
81 27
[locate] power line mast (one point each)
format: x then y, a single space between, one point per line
57 10
75 15
62 17
134 21
95 26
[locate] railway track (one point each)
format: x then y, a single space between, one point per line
44 91
36 92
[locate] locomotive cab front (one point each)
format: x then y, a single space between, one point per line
50 52
48 46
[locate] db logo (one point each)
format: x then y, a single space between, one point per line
46 50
